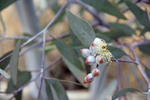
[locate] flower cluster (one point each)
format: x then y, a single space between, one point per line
97 53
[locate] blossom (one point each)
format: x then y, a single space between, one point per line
97 53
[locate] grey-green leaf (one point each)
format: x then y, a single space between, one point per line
106 6
81 28
59 89
123 92
119 30
5 3
5 62
145 48
140 15
49 91
71 60
5 74
23 77
116 52
14 63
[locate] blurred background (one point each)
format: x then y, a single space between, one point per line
17 22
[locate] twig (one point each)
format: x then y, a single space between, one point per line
141 43
42 65
118 77
127 61
67 81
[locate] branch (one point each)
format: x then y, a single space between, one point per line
141 43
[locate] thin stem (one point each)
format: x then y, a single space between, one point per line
67 81
118 77
141 43
127 61
139 65
42 64
17 37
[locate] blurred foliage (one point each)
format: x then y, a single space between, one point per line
82 35
5 3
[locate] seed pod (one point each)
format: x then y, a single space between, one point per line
84 81
85 52
97 40
90 60
95 72
99 60
89 78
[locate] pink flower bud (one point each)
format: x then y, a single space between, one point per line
95 72
85 52
90 60
99 60
89 78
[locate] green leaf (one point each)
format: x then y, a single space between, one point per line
4 63
148 14
123 27
49 91
116 52
23 77
5 74
143 31
104 37
14 63
140 15
123 92
119 30
71 60
81 28
19 96
75 40
59 89
5 3
145 48
147 71
105 6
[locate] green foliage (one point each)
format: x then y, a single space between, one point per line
5 3
4 63
105 6
23 77
5 74
116 52
145 48
56 87
14 63
140 15
81 28
123 92
71 60
147 71
119 30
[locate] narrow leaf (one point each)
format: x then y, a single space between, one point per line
105 6
140 15
116 52
23 77
49 91
148 14
59 89
145 48
4 63
123 92
147 71
5 74
81 28
14 63
5 3
71 60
